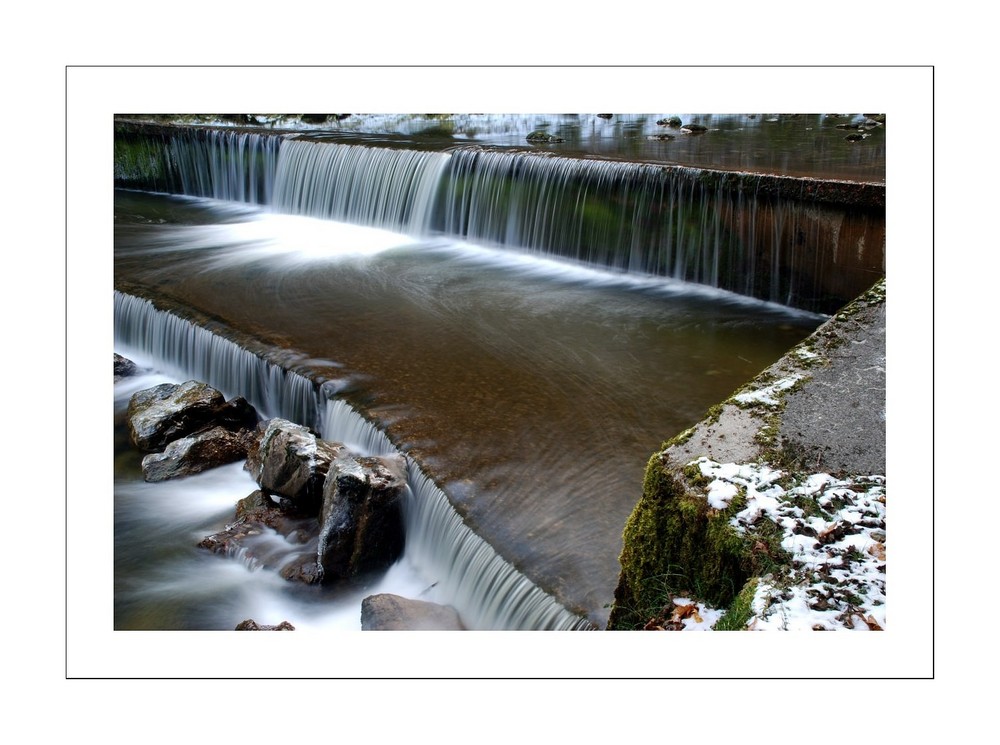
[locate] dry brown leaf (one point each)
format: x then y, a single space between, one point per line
683 611
872 623
878 551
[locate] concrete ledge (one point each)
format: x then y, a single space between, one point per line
772 509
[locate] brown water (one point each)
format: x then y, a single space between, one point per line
532 392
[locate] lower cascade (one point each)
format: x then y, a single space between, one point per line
486 590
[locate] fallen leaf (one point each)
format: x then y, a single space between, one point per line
878 551
683 611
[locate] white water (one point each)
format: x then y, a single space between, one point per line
687 224
380 187
230 165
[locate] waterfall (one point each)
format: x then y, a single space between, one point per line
762 236
230 165
218 163
380 187
488 592
189 351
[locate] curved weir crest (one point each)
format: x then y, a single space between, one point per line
772 238
487 591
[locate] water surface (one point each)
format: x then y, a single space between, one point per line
532 391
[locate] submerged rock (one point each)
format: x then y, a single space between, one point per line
387 612
291 461
257 515
540 135
156 416
695 129
124 367
251 625
361 523
194 454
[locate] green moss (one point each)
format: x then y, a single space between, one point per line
676 544
739 613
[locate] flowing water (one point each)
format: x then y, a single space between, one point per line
526 382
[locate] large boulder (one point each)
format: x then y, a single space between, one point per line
387 612
291 462
361 523
169 411
194 454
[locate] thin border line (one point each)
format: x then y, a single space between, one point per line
67 68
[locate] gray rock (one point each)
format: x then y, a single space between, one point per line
251 625
257 515
194 454
361 524
291 461
540 135
394 613
167 412
124 367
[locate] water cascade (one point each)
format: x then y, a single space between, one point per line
778 239
381 187
217 163
774 238
192 352
486 590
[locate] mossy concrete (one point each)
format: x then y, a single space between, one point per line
821 406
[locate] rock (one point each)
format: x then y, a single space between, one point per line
251 625
604 116
236 414
855 137
169 411
671 121
123 367
194 454
540 135
394 613
258 515
292 462
313 118
694 128
361 524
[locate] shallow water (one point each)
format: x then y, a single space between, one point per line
532 391
786 144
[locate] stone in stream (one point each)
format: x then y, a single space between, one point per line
258 515
156 416
387 612
251 625
361 522
292 462
196 453
124 367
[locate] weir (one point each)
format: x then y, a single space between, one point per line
486 590
804 243
795 242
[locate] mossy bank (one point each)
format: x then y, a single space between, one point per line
772 508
